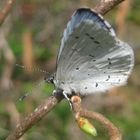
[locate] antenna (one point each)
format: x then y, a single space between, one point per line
35 69
31 90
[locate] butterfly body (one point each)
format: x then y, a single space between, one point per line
91 58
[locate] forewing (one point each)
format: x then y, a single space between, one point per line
81 15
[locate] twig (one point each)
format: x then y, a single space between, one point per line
79 111
106 5
102 8
113 131
34 117
4 12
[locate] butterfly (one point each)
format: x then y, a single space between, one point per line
91 58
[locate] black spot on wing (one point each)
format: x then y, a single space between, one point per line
109 61
92 38
91 55
87 34
77 68
96 42
76 37
108 78
96 85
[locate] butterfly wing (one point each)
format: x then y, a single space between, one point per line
91 58
82 15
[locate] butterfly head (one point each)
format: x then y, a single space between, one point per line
49 79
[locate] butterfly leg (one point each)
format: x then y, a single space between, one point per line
66 96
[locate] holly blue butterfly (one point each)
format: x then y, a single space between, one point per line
91 58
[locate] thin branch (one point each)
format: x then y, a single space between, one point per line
113 131
34 117
106 5
5 11
50 103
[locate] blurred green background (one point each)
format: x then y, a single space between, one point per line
31 36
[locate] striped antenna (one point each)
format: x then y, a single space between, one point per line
31 90
35 69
